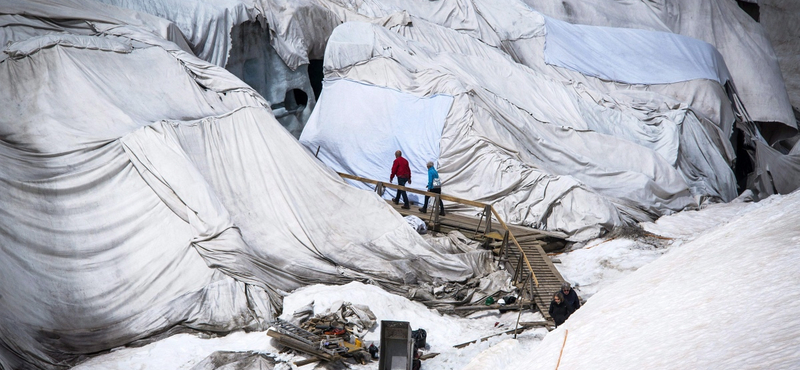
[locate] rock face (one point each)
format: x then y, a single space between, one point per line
777 17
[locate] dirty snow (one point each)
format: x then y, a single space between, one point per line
689 297
184 351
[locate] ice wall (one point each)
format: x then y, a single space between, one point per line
255 62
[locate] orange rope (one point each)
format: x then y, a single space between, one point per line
566 332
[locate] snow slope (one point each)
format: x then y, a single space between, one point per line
728 300
184 351
601 262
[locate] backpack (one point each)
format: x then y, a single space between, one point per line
420 337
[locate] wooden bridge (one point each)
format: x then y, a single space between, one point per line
521 250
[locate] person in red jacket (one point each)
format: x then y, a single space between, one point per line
403 172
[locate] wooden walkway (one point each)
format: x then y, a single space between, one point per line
521 250
474 228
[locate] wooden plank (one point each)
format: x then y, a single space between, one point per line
527 246
428 356
494 306
494 235
307 361
510 331
300 346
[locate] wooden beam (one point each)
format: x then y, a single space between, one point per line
493 307
307 361
518 330
415 191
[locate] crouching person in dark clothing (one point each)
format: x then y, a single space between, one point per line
559 309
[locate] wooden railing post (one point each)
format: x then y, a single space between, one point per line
436 210
504 250
487 210
480 220
533 289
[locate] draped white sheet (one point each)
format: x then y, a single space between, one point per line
143 190
668 47
550 151
361 126
742 42
632 56
206 24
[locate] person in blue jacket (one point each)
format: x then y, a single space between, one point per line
434 186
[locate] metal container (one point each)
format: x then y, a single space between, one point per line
397 346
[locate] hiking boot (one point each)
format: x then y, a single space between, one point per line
423 210
395 201
406 206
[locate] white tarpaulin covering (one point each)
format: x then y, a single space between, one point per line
516 29
143 189
207 25
632 56
671 64
740 39
570 158
232 34
365 124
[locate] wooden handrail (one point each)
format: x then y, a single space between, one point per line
456 200
522 252
415 191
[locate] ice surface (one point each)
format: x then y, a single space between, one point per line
689 225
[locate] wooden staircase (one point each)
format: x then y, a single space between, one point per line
520 250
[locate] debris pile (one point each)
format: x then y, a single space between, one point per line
331 337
